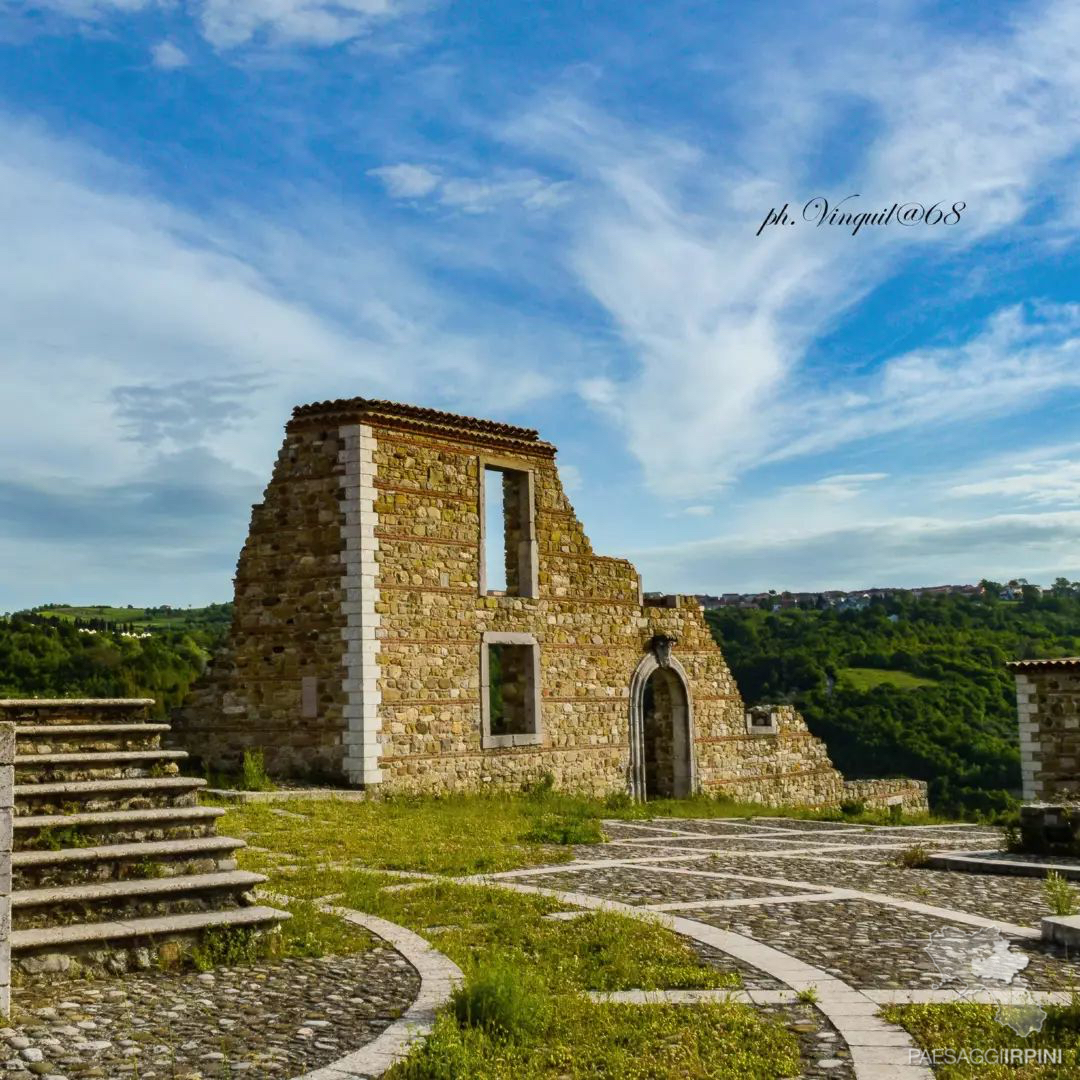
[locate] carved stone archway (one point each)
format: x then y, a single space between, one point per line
658 664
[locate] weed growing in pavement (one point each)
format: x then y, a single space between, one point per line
1059 894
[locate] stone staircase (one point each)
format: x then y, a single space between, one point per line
113 859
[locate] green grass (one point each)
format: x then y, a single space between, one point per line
470 834
964 1025
1059 894
523 1010
723 1041
866 678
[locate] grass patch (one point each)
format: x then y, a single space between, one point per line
1059 894
722 1041
600 950
866 678
912 857
470 834
523 1010
967 1025
452 835
311 932
253 775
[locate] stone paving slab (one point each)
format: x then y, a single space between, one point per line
873 945
652 885
265 1020
999 897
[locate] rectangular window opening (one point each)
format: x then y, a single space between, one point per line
510 697
509 535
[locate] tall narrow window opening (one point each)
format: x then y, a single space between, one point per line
508 556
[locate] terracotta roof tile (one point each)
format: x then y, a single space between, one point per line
413 412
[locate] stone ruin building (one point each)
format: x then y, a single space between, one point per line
418 609
1048 704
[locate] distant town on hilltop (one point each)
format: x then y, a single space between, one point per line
857 599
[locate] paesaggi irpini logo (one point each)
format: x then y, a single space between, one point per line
819 211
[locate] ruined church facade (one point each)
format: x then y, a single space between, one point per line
418 608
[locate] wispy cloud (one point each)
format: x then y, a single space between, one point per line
469 194
720 322
168 56
229 24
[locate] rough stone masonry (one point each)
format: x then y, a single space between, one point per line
7 800
1048 704
419 609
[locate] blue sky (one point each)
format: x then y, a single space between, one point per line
212 210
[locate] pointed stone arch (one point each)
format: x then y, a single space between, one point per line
659 664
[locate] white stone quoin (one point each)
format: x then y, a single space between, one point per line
358 584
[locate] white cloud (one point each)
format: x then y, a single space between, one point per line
168 56
1039 481
469 195
887 550
184 333
406 181
840 487
698 510
228 24
571 478
81 9
719 321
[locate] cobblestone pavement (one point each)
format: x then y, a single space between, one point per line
834 896
273 1020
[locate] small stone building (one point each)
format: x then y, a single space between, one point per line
418 608
1048 702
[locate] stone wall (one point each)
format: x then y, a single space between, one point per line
1048 704
909 795
7 801
363 571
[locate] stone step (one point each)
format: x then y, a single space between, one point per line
95 755
137 898
33 731
118 823
73 711
52 946
137 793
97 765
37 869
34 739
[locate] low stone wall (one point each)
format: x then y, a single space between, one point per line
1050 830
909 795
7 799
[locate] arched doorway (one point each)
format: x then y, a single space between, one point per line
661 730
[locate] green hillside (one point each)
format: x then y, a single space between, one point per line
159 618
62 651
866 678
906 687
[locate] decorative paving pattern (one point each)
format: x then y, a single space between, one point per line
1005 897
870 945
792 904
653 885
273 1020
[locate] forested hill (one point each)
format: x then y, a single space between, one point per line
906 687
63 651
